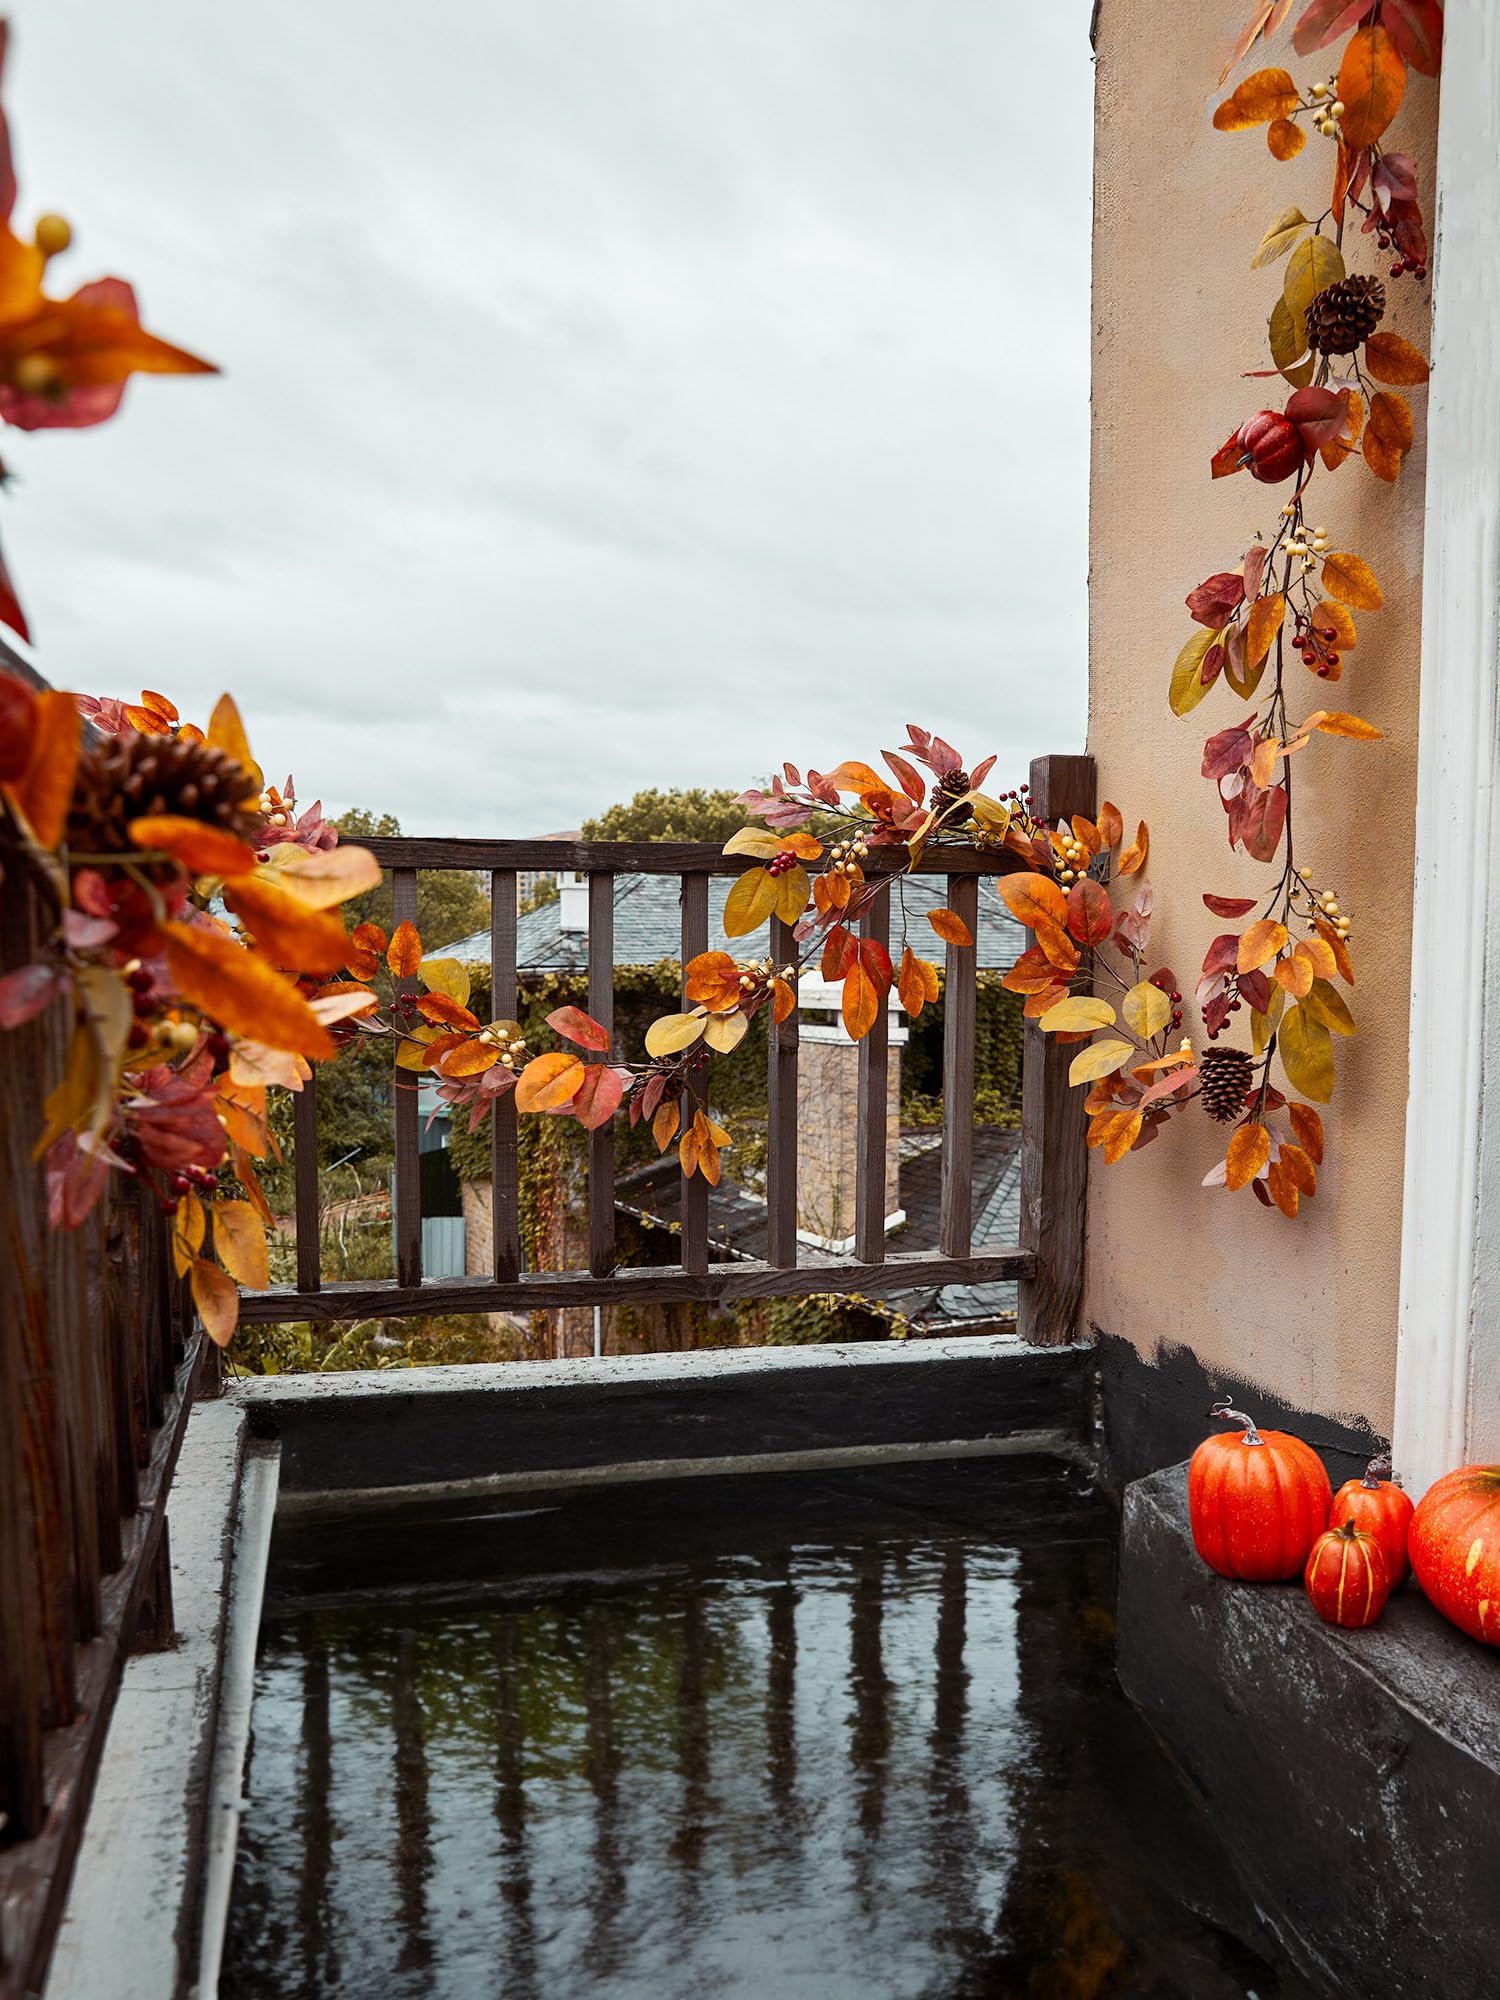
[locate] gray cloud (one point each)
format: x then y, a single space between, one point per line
617 392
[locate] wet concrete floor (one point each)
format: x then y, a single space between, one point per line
834 1738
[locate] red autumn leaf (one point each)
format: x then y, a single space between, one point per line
1091 916
580 1028
1216 600
909 775
1229 906
1228 458
1322 415
11 613
876 961
17 726
598 1096
30 988
1416 27
840 951
1325 21
404 953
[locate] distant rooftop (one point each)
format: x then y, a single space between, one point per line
648 926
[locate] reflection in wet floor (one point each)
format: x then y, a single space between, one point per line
858 1740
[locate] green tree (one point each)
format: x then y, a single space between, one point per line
670 815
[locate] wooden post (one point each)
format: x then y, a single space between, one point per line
408 1203
1054 1158
505 1215
872 1116
602 1007
305 1181
960 1008
694 1190
781 1120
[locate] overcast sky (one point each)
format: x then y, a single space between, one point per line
616 393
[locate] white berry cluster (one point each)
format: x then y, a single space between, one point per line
845 856
508 1044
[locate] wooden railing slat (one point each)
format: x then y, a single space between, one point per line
960 986
694 1190
873 1113
408 1192
305 1183
650 857
505 1209
602 1007
781 1119
1054 1156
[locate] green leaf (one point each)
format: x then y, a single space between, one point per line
1147 1010
1280 237
1307 1054
1079 1014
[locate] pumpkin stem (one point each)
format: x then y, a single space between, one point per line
1378 1469
1252 1435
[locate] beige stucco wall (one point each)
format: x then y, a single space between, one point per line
1307 1307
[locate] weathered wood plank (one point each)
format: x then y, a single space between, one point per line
408 1202
549 1290
305 1177
648 857
960 986
871 1115
1054 1156
602 1007
781 1120
505 1211
695 1189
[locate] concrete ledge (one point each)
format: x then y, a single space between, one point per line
1354 1775
434 1426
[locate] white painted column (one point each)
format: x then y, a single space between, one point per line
1448 1356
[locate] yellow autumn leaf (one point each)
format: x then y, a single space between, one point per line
756 840
750 902
724 1032
1334 722
1146 1009
1286 333
1249 1150
446 975
1327 1003
1187 688
1312 267
329 876
1099 1059
1263 1026
1280 237
188 1225
1262 941
1306 1049
671 1033
1351 580
240 1244
217 1298
412 1054
1079 1014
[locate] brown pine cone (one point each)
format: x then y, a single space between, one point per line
1224 1077
946 790
127 777
1344 314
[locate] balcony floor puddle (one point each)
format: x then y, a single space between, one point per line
850 1737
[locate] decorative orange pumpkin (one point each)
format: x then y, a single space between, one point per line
1377 1504
1346 1577
1257 1502
1454 1541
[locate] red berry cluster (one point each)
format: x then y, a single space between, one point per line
1317 648
1402 264
780 863
1165 982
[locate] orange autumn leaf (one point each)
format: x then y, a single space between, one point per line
1267 615
285 929
240 1244
1281 1189
1338 449
548 1082
664 1124
1133 860
1372 82
1298 1168
1339 949
917 983
1033 898
1335 722
206 850
217 1298
464 1055
404 954
1389 358
1111 826
1249 1150
1262 941
1285 139
1295 974
439 1007
1120 1134
862 1001
950 927
226 732
1308 1126
1331 617
1268 94
783 1000
188 1226
241 992
1350 579
1384 460
44 791
1391 419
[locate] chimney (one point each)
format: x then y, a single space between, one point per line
828 1124
572 903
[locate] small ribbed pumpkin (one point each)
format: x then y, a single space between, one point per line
1346 1577
1377 1504
1454 1542
1257 1501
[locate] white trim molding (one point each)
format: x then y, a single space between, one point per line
1448 1351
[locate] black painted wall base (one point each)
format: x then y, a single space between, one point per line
1354 1775
1156 1414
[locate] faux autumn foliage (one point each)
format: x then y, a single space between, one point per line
64 361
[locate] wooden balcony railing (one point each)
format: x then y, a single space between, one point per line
97 1369
1047 1260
